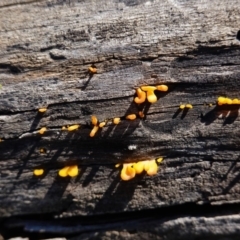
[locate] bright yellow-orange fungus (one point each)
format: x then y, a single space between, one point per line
102 124
151 97
73 127
152 168
63 172
42 130
229 101
189 106
182 106
162 88
64 128
72 171
139 167
94 130
235 101
131 116
141 96
38 172
42 110
94 120
92 70
128 172
116 120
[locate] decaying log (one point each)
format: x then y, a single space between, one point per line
46 48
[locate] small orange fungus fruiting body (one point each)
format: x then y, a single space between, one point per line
73 171
159 160
92 70
42 110
141 96
229 101
102 124
141 114
182 106
235 101
42 150
38 172
63 172
128 172
139 167
116 120
94 120
162 88
73 127
64 128
131 116
94 130
190 106
42 130
151 97
152 168
222 100
117 165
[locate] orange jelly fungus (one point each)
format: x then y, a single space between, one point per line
94 130
182 106
162 88
141 96
42 130
128 172
42 110
92 70
38 172
71 171
73 127
116 120
190 106
64 128
131 116
151 97
102 124
94 120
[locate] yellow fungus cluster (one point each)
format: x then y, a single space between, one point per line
148 92
71 171
42 130
38 172
130 170
188 106
224 100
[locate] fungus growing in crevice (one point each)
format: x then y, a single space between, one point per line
131 117
189 106
42 150
162 88
225 100
116 120
102 124
42 130
151 97
94 130
94 120
38 172
141 96
73 127
141 114
128 172
42 110
92 70
71 171
182 106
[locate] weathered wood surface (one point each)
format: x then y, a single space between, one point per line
46 48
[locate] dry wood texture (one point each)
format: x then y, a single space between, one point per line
46 48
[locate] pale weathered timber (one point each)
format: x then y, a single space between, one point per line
46 48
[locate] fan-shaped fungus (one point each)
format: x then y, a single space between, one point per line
162 88
151 97
131 116
42 110
94 120
92 70
42 130
94 130
73 127
38 172
116 120
141 96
